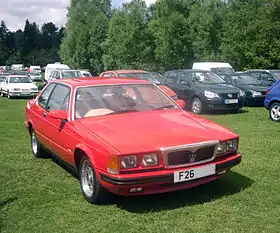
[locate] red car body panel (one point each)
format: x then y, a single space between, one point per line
125 134
116 73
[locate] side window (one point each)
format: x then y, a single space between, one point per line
59 99
266 76
43 99
183 79
107 75
255 74
171 78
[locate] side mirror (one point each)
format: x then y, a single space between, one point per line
181 103
58 114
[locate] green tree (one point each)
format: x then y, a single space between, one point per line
128 43
171 34
86 30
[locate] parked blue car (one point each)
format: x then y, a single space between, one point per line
272 101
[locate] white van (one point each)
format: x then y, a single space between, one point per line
51 67
35 68
17 67
216 67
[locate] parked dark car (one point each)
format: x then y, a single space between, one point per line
272 101
204 90
266 77
253 89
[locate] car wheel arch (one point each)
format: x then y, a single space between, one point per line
272 102
80 151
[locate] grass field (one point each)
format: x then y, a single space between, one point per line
40 196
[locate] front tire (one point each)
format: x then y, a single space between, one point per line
274 112
196 106
91 188
36 147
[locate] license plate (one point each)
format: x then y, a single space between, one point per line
194 173
231 101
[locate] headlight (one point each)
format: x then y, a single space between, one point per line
227 146
256 93
210 94
222 148
128 161
149 160
16 89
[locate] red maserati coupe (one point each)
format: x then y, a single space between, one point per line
127 137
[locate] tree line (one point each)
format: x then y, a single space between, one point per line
172 34
169 34
30 46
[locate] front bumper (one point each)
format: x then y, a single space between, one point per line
22 94
255 101
219 104
162 181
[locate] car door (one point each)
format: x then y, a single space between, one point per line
57 131
184 86
4 85
39 114
170 80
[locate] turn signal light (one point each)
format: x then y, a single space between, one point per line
113 165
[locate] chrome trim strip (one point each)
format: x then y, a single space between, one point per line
191 147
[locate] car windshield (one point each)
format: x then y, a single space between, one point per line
144 76
20 80
245 80
71 74
36 73
157 75
223 70
276 73
118 99
206 78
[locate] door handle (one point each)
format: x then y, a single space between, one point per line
44 114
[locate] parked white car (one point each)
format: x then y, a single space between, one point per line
85 73
61 74
18 86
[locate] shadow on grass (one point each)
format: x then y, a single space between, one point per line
8 201
225 112
230 184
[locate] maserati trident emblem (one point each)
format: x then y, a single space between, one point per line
192 157
230 95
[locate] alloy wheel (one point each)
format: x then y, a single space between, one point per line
196 106
87 178
275 112
34 143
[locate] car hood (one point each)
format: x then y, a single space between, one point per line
150 131
219 88
252 88
167 90
22 85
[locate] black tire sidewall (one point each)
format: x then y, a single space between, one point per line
274 104
196 98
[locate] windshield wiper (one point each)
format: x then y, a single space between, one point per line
165 106
122 111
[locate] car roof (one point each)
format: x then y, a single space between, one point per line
257 70
14 75
77 82
127 71
190 70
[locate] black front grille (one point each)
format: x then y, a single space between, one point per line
186 156
229 95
